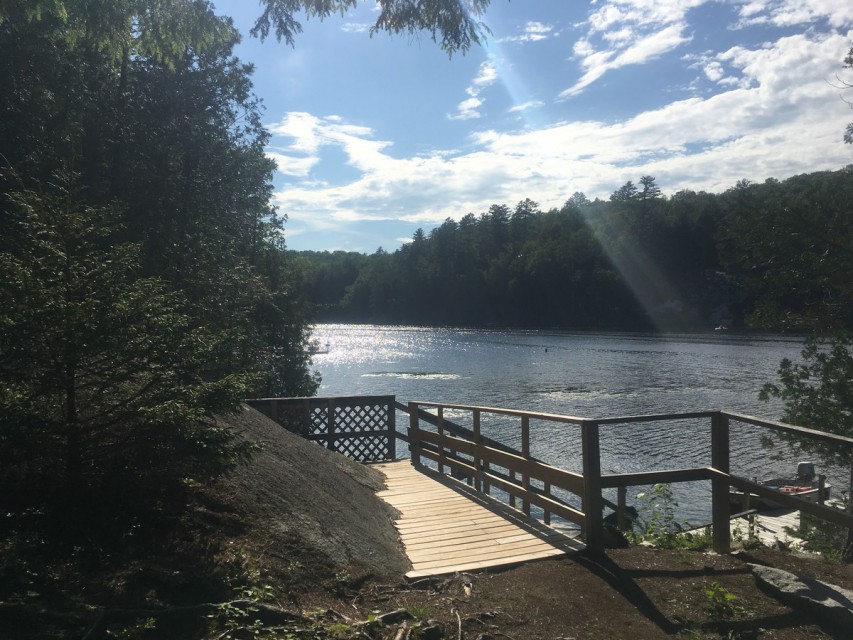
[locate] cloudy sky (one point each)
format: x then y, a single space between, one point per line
377 136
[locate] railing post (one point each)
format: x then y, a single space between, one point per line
546 515
440 428
330 422
621 496
593 531
414 440
525 453
719 486
392 428
481 467
305 428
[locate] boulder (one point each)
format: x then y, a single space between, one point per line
832 604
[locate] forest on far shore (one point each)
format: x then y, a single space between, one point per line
771 256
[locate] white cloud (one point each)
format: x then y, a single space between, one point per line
356 27
628 32
640 50
487 75
469 108
308 133
787 13
781 118
532 32
714 71
293 166
531 104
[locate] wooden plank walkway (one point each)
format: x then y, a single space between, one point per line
770 527
447 527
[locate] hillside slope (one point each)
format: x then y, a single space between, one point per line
299 498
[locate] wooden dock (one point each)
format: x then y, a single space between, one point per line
770 527
447 527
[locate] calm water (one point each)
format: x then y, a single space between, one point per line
579 374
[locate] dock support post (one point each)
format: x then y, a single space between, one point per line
593 529
719 486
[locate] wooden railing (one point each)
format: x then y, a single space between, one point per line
467 453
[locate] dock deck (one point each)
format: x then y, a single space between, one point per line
447 527
770 527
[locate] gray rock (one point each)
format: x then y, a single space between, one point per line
832 604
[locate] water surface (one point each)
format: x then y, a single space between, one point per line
579 374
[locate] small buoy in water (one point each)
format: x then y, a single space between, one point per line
546 349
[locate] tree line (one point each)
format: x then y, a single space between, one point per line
772 256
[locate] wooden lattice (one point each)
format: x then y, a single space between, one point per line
362 427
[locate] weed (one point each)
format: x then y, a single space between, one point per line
420 612
658 524
340 631
820 537
721 604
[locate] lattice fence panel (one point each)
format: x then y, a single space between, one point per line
366 449
309 417
354 418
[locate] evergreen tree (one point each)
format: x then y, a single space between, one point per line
626 193
106 385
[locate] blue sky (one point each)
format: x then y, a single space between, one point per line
377 136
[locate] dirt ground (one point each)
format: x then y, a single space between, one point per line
297 546
637 594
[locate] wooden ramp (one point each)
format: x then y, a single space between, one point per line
447 527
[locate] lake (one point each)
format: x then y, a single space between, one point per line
580 374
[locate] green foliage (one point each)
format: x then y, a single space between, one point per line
818 393
178 145
821 537
658 526
152 29
105 384
452 23
145 286
721 604
689 262
788 244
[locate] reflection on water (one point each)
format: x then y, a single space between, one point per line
579 374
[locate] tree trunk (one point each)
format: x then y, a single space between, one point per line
847 556
73 438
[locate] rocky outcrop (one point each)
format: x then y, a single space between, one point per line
833 605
